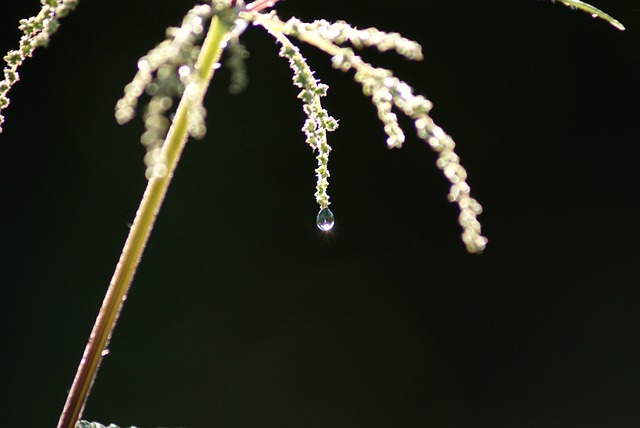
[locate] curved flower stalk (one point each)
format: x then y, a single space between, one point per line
388 93
37 31
594 11
318 121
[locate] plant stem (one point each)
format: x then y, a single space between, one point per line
150 204
594 11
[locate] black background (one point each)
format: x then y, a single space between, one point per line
243 314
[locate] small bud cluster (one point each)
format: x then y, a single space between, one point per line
36 32
388 93
166 72
318 122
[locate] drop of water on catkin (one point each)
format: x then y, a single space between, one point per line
325 220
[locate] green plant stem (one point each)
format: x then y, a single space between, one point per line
594 11
116 295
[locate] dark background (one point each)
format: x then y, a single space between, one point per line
243 314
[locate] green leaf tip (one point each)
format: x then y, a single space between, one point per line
594 11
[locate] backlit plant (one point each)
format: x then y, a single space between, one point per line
174 77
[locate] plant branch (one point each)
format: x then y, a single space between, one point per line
150 204
594 12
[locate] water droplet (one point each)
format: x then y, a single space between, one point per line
325 220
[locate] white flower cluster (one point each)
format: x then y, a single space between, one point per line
166 72
340 32
36 32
